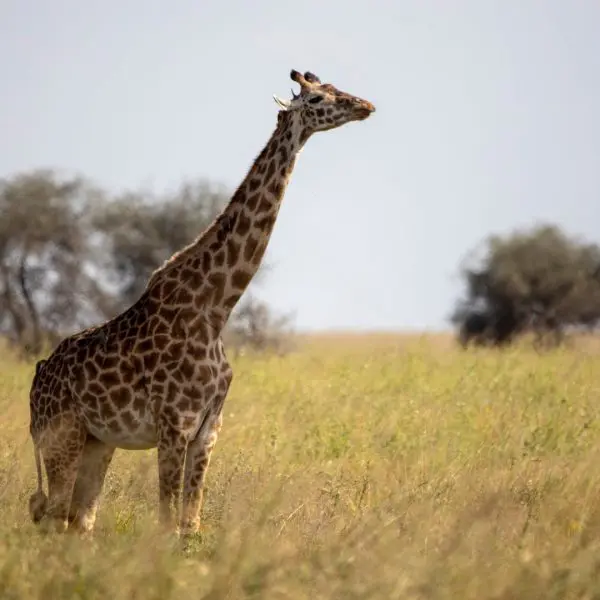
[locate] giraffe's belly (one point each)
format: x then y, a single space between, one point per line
141 438
127 442
137 431
129 431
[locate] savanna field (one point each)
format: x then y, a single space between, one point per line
355 467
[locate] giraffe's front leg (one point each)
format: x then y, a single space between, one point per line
172 446
199 453
90 479
196 464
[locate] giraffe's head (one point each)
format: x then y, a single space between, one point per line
322 106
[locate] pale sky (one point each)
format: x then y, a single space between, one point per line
488 118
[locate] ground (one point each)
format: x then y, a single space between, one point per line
358 467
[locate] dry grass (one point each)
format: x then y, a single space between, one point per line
356 468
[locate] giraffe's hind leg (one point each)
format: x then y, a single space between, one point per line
61 445
94 464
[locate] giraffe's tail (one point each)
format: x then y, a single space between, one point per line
38 502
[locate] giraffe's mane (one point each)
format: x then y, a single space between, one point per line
169 262
173 259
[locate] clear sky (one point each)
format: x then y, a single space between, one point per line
488 118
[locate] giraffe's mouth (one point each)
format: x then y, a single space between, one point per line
362 113
363 110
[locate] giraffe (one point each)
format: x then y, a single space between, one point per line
156 375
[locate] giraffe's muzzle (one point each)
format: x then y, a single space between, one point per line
364 110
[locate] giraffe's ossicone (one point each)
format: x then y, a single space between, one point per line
156 375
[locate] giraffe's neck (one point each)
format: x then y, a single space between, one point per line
213 272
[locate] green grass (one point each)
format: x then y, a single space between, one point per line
354 468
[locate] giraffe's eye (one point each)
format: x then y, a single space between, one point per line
316 99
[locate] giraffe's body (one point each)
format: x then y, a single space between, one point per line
157 375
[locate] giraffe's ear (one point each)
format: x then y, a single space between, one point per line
283 104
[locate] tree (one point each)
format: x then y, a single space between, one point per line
141 231
71 256
47 281
539 280
253 325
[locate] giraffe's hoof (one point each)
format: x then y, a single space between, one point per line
82 521
190 529
190 535
82 528
53 525
60 525
190 541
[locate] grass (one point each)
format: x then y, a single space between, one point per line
378 467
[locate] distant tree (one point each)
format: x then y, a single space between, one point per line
255 326
71 256
47 278
538 280
484 329
141 231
